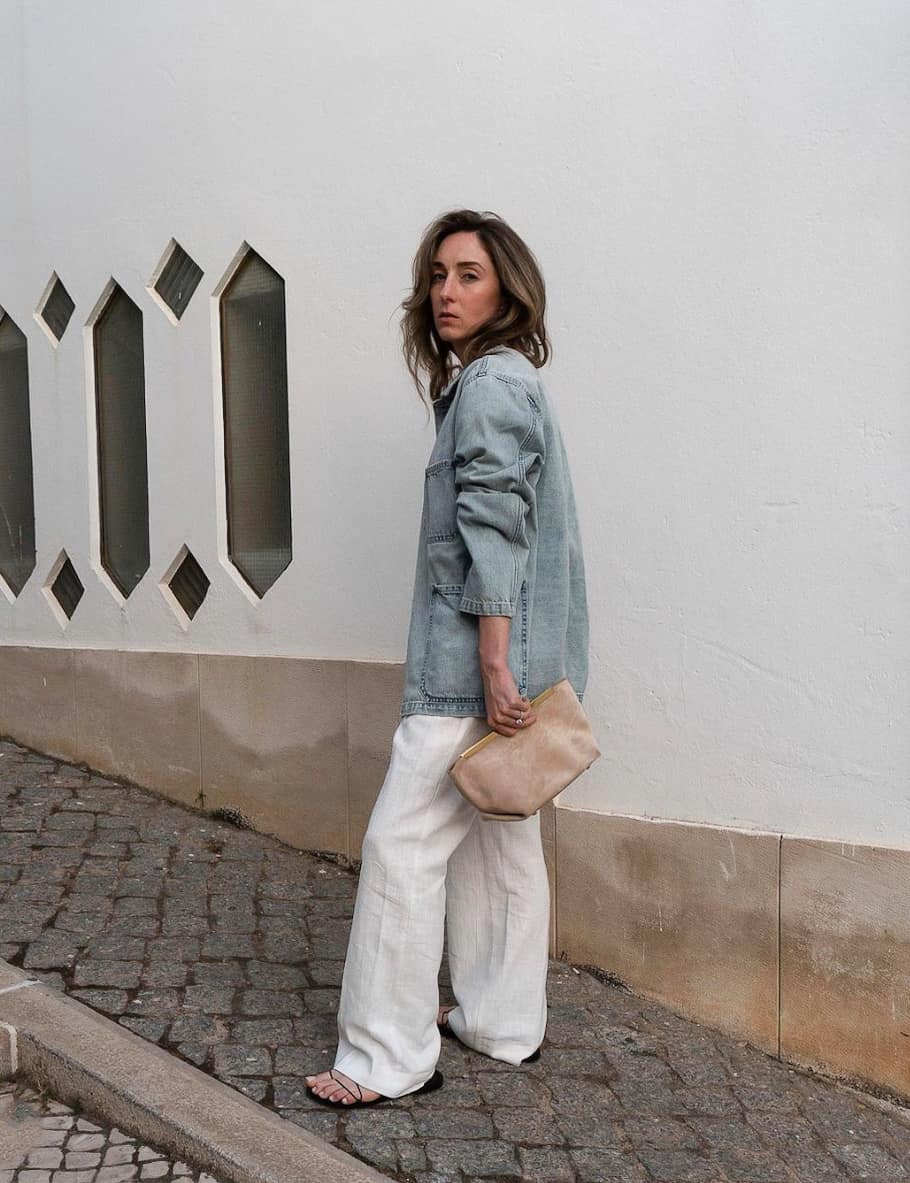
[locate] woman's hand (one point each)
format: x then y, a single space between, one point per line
504 704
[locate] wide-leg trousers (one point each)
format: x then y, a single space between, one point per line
431 865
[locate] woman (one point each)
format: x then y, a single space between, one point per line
499 614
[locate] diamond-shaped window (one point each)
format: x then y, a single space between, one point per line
176 278
63 588
187 583
55 309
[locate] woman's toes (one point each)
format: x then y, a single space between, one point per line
319 1083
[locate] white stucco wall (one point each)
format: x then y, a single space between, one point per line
719 193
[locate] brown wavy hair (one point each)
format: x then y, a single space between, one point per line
519 324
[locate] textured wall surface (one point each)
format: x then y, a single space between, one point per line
718 196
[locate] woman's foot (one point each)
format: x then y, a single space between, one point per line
334 1086
442 1016
442 1022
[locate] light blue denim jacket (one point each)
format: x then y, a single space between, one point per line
498 537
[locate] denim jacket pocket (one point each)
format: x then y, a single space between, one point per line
439 480
451 664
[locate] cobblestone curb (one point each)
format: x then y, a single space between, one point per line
85 1059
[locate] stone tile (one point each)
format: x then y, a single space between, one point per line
195 1028
116 948
474 1157
138 717
452 1123
607 1166
749 1166
111 1002
290 1092
242 1060
722 1133
373 700
320 1123
267 1032
271 1002
591 1100
37 705
708 1102
530 1127
678 1166
585 1132
82 1160
45 1158
845 959
271 725
156 1002
251 1087
662 1133
213 1000
867 1160
268 975
546 1166
687 913
510 1088
116 1156
124 974
163 973
151 1029
86 1141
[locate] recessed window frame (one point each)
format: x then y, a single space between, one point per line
99 541
42 305
183 617
163 263
222 492
47 589
24 470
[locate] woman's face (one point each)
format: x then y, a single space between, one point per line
464 289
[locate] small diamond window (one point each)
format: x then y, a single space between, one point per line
176 278
66 588
55 309
189 584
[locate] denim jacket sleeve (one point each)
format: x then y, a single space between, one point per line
498 452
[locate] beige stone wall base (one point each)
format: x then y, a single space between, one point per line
683 913
800 946
845 960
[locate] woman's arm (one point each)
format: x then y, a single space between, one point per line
500 691
498 450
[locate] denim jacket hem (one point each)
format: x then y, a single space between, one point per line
421 707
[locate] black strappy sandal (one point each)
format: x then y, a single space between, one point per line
446 1030
435 1082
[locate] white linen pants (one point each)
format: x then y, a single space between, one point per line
431 864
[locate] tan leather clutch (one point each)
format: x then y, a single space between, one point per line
510 777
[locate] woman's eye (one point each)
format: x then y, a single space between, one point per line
469 275
435 278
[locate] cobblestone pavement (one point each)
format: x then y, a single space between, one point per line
42 1141
226 947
